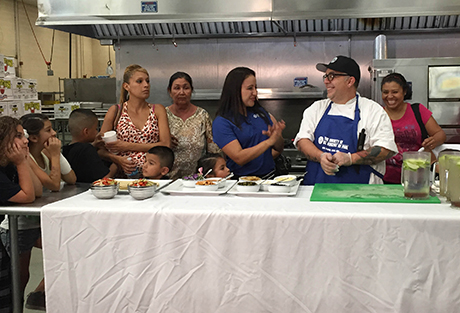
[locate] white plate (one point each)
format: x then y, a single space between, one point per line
161 182
176 188
263 193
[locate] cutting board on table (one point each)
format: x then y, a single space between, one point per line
363 193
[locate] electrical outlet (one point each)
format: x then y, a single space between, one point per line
50 73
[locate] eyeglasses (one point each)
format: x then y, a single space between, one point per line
330 77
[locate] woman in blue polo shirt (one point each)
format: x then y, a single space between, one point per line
249 136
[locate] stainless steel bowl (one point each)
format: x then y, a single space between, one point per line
141 193
104 192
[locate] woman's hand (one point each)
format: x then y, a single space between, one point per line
128 166
275 130
15 154
429 144
275 133
53 146
119 146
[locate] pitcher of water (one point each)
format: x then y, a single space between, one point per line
453 181
444 164
416 174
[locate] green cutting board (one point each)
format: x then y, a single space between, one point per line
363 193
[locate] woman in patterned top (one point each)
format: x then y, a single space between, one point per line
139 124
190 125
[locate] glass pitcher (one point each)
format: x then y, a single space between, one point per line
444 164
453 182
416 174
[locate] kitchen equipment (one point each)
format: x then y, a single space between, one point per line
297 158
416 174
364 193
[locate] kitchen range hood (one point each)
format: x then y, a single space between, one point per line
117 19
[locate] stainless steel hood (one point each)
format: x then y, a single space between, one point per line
117 19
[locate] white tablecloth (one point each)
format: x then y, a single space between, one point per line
242 254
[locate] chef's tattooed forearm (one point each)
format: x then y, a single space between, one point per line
373 155
312 158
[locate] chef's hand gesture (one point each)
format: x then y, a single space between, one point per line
328 164
343 159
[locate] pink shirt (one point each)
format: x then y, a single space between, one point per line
408 137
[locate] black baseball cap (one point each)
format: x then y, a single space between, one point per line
342 64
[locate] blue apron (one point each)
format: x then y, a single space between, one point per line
338 133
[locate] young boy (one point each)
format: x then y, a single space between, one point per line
158 162
80 153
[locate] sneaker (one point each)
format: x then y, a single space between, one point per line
36 301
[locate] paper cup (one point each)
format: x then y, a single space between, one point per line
110 136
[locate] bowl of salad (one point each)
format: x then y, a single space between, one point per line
105 188
142 189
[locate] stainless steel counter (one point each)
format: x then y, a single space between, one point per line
13 211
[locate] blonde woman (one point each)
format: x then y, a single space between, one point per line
139 125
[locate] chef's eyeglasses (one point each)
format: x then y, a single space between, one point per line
330 77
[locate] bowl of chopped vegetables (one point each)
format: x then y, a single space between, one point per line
247 186
105 188
142 189
279 188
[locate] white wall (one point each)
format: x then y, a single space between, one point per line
88 56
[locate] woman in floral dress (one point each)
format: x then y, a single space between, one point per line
190 126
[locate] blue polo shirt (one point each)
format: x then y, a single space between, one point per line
249 135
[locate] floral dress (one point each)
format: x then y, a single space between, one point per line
127 131
195 139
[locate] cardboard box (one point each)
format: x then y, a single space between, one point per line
2 66
3 109
32 106
6 89
9 66
15 108
63 110
29 89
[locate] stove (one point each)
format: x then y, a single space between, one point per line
297 158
